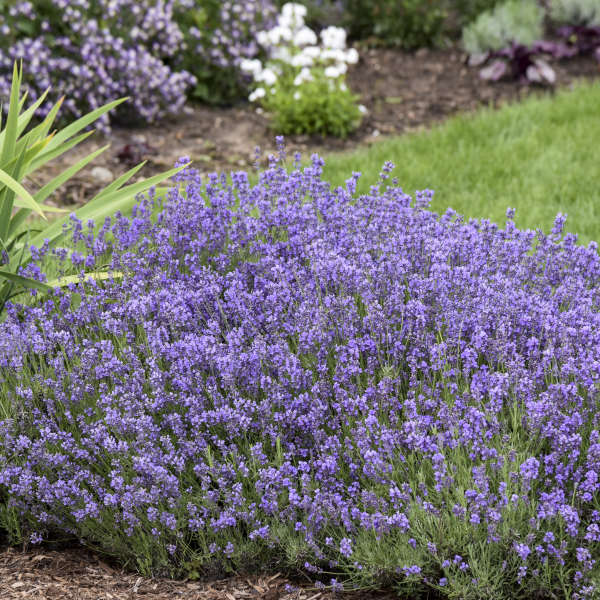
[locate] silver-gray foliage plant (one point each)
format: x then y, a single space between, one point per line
575 12
519 21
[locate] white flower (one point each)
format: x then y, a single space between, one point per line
297 95
301 60
304 75
268 76
362 109
279 33
286 22
254 67
262 37
334 37
292 16
312 51
256 94
281 53
334 54
343 87
352 56
342 68
305 37
332 72
293 9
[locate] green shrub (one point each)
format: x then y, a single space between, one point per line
302 85
410 23
466 11
405 23
321 106
519 21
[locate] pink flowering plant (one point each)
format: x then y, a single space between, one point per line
313 380
302 83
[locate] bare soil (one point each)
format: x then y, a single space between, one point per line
402 91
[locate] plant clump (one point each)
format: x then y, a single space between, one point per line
508 38
154 52
575 12
302 84
514 21
300 377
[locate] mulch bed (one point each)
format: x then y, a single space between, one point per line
403 92
77 574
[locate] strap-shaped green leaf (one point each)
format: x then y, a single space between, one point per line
45 125
117 183
23 197
25 117
7 204
27 150
105 206
82 123
10 132
42 159
26 282
94 276
55 183
17 220
134 188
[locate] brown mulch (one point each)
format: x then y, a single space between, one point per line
402 91
77 574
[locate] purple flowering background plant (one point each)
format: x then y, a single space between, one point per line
93 51
296 377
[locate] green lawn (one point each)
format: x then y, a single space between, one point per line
541 156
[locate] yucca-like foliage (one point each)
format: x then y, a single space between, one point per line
21 154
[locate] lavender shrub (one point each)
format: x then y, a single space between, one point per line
294 377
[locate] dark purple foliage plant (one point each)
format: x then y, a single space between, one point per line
301 378
528 64
582 39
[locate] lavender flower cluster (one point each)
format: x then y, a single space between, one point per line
93 51
347 384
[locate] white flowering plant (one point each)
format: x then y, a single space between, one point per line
302 83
